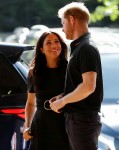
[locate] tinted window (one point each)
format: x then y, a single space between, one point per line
11 81
26 58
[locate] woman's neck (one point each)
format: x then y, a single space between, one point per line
52 64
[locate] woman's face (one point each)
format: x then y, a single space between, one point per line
51 47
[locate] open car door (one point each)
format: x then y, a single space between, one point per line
13 88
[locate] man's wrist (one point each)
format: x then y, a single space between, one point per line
63 102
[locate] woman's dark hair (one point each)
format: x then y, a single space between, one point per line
39 65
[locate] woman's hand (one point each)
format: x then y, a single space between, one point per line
26 134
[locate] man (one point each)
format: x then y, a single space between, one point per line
83 92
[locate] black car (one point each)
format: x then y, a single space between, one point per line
13 94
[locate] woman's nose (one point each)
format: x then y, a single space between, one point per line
53 44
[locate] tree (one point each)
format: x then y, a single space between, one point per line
106 8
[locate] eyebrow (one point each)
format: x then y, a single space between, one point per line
54 39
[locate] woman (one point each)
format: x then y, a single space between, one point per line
45 80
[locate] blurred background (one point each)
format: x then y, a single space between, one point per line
23 20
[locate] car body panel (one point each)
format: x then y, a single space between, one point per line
109 137
14 51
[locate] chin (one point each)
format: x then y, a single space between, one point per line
69 37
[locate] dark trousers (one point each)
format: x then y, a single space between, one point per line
83 130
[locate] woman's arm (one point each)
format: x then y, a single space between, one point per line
30 109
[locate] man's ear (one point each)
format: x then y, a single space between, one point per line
71 19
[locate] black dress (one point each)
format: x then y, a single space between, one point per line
48 127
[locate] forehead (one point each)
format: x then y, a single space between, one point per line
51 36
62 19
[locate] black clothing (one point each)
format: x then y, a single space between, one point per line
83 124
48 127
84 58
83 130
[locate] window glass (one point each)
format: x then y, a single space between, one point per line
11 81
26 58
110 69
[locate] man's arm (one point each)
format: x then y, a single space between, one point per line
82 91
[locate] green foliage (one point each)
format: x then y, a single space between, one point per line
26 13
106 8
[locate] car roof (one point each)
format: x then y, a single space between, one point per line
13 51
109 51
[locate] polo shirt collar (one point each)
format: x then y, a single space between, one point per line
77 41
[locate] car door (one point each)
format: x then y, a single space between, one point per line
12 102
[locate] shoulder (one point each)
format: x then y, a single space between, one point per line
89 47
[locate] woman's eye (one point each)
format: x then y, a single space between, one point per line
57 41
48 43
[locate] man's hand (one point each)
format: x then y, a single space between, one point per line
57 105
56 98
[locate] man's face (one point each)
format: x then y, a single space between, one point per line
67 28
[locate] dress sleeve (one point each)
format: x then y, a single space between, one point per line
30 85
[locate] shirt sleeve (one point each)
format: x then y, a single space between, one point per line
88 59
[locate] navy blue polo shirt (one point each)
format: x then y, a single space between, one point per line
85 57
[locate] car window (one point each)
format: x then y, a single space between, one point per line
26 58
11 81
110 69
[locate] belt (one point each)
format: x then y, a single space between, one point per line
81 114
43 104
